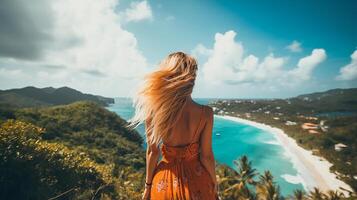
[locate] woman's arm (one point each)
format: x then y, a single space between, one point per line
152 157
206 156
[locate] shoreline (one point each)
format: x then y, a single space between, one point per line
313 171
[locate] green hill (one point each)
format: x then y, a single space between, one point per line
80 146
32 96
336 100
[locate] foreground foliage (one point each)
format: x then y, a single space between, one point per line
245 183
31 168
81 148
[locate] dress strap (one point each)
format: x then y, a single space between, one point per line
198 127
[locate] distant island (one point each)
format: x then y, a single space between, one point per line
323 122
48 96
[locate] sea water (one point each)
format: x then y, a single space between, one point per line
231 140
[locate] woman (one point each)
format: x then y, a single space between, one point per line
181 129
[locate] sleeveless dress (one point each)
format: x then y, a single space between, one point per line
180 174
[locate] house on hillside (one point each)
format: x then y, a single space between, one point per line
312 128
309 126
314 132
323 127
340 146
290 123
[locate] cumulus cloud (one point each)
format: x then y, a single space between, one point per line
349 72
201 50
295 46
307 64
84 42
138 11
227 63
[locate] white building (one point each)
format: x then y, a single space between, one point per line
340 146
290 123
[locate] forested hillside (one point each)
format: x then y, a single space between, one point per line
81 149
32 96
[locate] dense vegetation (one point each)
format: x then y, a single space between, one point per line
79 150
335 109
32 96
32 168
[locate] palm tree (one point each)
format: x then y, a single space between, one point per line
316 194
237 181
245 170
334 195
299 195
266 188
266 177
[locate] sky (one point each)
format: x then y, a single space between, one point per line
245 49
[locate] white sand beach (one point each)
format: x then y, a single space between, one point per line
313 171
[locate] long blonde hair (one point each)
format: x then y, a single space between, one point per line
161 98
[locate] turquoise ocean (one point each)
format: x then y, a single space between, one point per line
231 140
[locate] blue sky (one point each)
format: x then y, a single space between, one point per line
260 24
141 33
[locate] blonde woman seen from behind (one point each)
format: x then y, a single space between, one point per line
178 128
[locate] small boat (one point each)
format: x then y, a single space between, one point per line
218 134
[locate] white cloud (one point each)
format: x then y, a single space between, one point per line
201 50
138 11
295 46
98 55
349 72
307 64
104 46
227 63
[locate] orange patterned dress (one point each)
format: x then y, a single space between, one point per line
181 176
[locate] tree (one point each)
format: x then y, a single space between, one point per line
316 194
266 188
334 195
246 172
299 195
234 184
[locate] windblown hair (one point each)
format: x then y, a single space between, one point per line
161 98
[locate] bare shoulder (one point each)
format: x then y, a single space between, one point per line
208 111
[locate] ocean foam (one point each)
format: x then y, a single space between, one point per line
292 179
272 142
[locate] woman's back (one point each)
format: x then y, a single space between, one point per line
180 174
188 126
